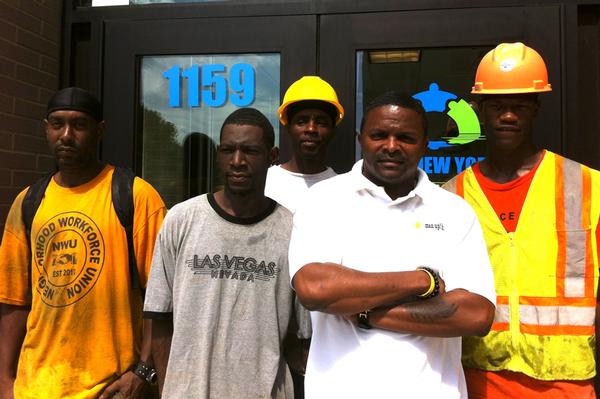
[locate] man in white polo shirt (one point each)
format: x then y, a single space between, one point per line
394 269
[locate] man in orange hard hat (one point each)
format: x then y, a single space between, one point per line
539 212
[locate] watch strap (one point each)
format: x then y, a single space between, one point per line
362 320
145 372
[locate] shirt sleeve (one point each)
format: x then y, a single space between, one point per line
15 256
149 214
469 264
159 295
312 240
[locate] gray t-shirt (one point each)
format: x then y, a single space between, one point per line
225 282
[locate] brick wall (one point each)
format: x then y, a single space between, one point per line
30 44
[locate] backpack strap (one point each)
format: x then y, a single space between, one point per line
122 199
31 203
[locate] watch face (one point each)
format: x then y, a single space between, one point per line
363 321
151 376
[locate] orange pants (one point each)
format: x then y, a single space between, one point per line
483 384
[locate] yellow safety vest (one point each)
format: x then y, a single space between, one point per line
546 274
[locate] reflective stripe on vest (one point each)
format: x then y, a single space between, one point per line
573 198
544 323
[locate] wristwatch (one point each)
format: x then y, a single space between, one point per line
362 320
434 287
145 372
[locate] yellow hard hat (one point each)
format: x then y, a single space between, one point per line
511 68
310 88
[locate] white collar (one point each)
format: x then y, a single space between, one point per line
324 173
360 182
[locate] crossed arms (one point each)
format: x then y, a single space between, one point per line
391 297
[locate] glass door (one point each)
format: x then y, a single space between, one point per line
183 101
181 79
433 56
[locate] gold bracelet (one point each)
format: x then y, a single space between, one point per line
431 284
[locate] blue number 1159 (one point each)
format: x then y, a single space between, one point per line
209 82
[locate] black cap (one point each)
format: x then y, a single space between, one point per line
76 99
324 106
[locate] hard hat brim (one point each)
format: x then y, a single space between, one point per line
511 91
281 111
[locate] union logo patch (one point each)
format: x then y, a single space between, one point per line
69 255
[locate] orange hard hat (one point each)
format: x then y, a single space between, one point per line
511 68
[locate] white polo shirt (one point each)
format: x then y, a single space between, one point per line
350 221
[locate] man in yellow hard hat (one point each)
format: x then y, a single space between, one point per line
539 212
310 111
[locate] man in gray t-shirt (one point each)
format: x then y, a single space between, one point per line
219 292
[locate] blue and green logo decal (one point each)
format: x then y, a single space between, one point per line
446 156
435 100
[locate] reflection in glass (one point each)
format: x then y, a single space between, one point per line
102 3
135 2
444 75
176 145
